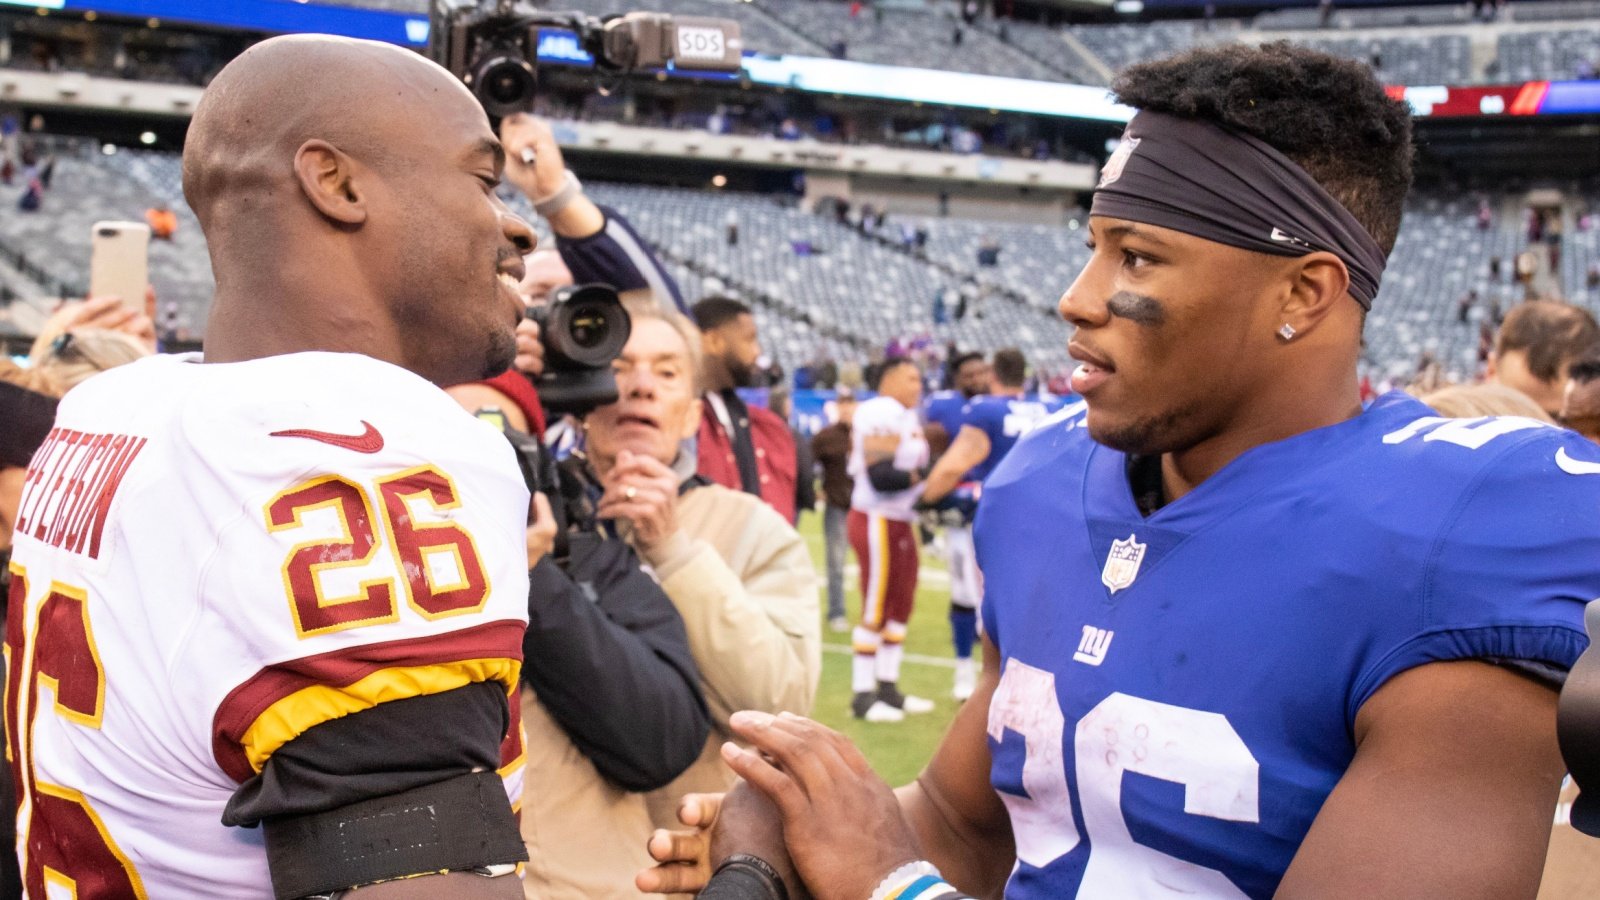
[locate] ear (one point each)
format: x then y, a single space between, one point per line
327 178
1319 285
711 343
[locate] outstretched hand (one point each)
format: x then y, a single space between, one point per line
842 825
683 857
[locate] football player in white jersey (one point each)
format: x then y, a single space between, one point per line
888 459
267 606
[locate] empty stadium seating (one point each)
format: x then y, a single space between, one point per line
820 287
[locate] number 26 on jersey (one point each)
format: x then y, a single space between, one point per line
441 571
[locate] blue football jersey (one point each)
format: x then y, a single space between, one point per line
1179 691
1005 420
944 407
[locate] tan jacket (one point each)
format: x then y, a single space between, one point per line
743 582
585 836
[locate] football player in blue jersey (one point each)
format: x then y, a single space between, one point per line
943 414
970 376
1244 638
989 425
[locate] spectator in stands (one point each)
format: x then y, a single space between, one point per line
1465 304
738 573
732 227
831 449
1591 278
740 446
1494 268
163 221
989 252
1580 402
169 323
32 195
1539 340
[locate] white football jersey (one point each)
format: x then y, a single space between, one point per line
878 416
211 559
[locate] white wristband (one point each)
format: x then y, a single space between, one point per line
570 189
903 876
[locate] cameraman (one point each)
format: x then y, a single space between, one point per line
611 706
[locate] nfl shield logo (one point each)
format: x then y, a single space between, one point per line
1113 167
1122 564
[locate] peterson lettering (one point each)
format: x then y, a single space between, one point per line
68 489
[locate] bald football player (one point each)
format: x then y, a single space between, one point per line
267 605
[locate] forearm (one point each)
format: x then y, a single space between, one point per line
579 219
975 861
613 253
941 481
578 661
886 478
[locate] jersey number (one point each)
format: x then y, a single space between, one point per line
417 548
1198 750
67 843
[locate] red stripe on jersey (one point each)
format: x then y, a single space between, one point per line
343 667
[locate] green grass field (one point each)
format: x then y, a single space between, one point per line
898 751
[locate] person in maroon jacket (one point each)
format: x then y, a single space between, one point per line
743 447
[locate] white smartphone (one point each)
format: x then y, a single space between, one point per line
119 263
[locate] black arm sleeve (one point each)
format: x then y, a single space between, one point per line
390 748
607 653
886 478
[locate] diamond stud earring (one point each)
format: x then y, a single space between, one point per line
1286 332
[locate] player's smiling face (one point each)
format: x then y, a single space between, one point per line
462 248
1172 333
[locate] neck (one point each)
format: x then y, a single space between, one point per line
1003 390
1286 411
253 318
718 378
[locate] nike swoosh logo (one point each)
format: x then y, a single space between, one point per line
1575 466
369 441
1283 238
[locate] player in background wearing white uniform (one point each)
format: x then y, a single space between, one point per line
284 587
888 460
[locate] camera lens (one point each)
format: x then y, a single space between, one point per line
505 84
589 328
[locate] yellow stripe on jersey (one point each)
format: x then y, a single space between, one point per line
308 707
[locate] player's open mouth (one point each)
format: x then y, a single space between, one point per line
1092 371
508 286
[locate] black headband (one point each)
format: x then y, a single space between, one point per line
28 416
1232 188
